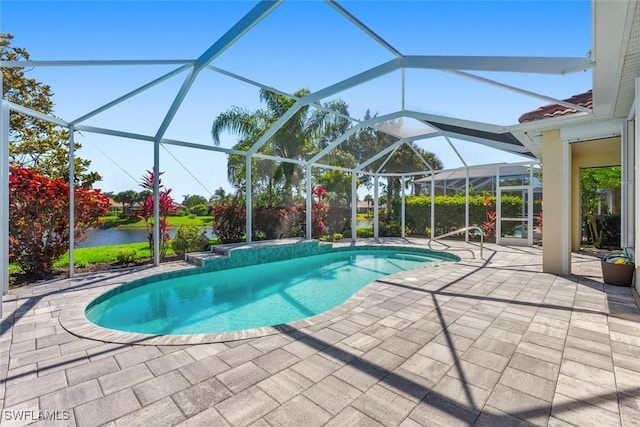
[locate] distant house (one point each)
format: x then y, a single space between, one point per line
364 207
114 207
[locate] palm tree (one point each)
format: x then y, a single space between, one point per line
219 196
406 160
294 140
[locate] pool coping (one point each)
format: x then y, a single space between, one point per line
74 319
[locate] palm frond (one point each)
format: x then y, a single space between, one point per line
235 120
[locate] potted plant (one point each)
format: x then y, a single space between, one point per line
618 269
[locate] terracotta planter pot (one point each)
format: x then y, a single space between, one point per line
617 274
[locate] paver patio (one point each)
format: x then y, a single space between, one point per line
482 342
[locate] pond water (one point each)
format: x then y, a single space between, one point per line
121 236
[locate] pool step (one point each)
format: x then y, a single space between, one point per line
234 255
199 258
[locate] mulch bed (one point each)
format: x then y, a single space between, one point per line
20 279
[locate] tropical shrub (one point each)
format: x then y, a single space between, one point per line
229 223
126 256
337 219
39 218
167 207
189 238
319 210
271 223
389 229
489 226
450 211
608 227
593 182
363 232
199 210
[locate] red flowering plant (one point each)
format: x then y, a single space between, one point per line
540 221
229 222
39 218
489 226
167 206
319 210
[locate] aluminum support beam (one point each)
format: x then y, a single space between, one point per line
247 22
335 168
113 132
177 143
636 218
316 104
533 65
515 64
394 173
276 126
335 143
354 208
466 192
358 79
510 148
546 98
72 201
380 154
93 63
421 158
627 235
433 206
309 201
156 203
130 94
348 83
240 28
355 21
402 209
35 114
498 207
530 209
387 159
375 206
466 206
4 198
352 131
248 199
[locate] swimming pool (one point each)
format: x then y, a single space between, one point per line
249 297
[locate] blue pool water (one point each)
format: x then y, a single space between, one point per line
249 297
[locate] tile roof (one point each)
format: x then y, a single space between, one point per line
554 110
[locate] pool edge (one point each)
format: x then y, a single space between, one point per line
74 320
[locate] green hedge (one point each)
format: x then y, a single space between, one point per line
450 210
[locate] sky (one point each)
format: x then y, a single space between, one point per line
301 44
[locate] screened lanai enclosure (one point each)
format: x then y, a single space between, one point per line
265 99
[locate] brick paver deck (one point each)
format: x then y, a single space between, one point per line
482 342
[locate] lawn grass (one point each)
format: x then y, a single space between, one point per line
104 254
98 254
86 256
364 217
111 221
